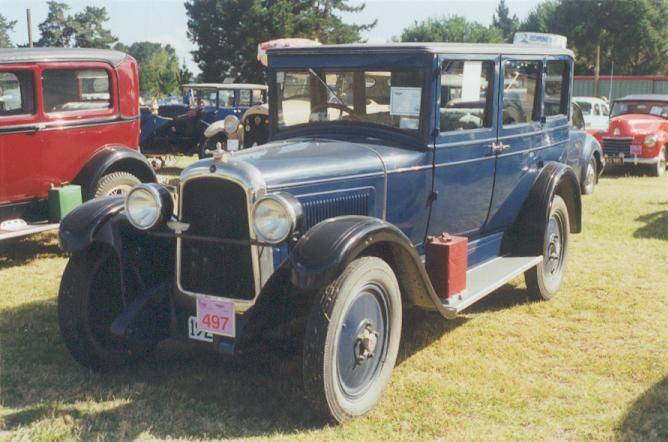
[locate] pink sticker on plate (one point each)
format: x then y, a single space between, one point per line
215 316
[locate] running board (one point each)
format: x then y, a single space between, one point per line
487 277
29 229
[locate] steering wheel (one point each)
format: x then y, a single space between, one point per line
341 107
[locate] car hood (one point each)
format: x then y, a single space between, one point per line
636 124
308 160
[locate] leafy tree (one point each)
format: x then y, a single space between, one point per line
503 21
57 29
89 31
227 32
633 35
159 71
453 28
84 30
6 26
185 75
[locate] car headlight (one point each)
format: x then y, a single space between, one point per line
146 205
650 140
230 124
276 217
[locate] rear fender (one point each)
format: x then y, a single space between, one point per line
526 235
113 159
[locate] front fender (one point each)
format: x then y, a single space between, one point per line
322 254
214 129
84 225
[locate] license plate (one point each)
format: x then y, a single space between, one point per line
215 316
636 149
194 332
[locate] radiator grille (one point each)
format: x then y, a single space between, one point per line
321 207
615 146
215 207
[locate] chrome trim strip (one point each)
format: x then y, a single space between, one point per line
326 180
250 179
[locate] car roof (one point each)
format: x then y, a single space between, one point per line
589 99
225 86
437 48
644 97
35 55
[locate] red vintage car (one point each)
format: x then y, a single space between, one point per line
638 133
66 116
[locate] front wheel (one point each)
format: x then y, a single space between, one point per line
352 340
89 300
544 280
659 169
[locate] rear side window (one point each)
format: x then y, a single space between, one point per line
519 91
466 94
556 89
257 96
68 90
17 93
244 97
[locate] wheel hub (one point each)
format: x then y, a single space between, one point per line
365 343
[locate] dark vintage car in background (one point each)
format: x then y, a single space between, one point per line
396 176
66 116
197 124
638 133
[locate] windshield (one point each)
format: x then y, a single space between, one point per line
385 98
658 108
201 97
585 107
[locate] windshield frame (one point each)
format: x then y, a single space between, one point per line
356 127
649 102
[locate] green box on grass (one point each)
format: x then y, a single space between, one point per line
62 200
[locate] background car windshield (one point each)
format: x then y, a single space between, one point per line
585 107
387 98
660 109
204 97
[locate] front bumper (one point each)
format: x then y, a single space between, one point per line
634 160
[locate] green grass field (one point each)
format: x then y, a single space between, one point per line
590 364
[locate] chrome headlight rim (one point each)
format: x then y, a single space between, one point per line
293 212
651 140
158 198
231 124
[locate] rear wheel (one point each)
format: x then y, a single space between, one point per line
544 280
590 177
115 184
89 300
352 339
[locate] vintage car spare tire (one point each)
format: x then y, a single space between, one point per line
352 340
89 300
115 183
544 280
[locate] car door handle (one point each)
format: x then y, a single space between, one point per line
37 127
499 147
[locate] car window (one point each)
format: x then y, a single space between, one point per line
67 90
519 91
605 109
257 96
585 107
244 97
17 93
597 110
577 120
556 84
466 95
226 97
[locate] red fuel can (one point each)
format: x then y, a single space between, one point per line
447 260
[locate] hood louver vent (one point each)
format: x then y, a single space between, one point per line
320 207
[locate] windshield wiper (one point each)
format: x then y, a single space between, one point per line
329 89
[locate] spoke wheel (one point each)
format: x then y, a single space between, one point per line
590 177
115 184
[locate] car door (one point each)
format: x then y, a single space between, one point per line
463 157
20 140
520 131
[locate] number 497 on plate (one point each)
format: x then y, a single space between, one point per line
215 316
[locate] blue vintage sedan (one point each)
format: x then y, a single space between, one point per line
397 176
180 127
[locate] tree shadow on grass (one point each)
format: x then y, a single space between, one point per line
21 251
656 226
647 419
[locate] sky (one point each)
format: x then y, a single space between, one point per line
164 21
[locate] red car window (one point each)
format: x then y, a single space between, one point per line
68 90
17 93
